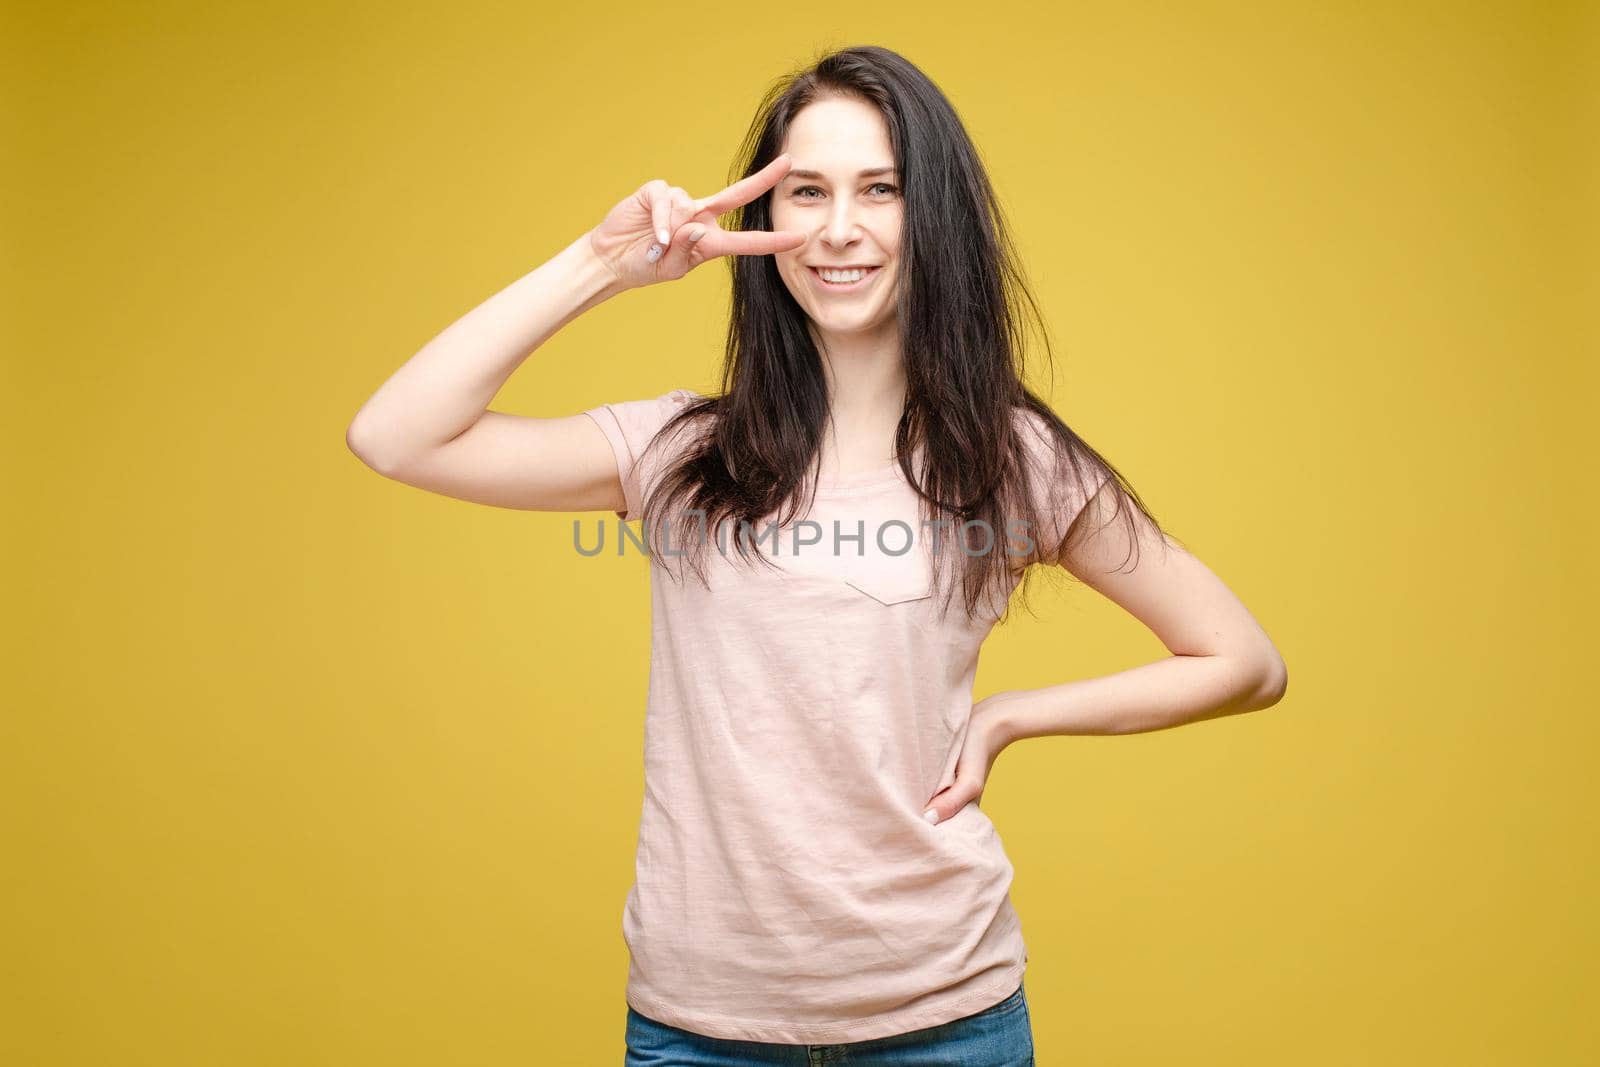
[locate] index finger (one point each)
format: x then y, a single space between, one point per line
745 190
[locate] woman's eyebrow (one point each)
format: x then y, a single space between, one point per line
868 173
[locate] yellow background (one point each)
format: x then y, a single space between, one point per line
303 766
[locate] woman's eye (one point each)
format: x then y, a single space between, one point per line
813 189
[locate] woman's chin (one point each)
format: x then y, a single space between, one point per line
841 320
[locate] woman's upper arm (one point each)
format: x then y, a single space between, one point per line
564 463
1160 583
589 461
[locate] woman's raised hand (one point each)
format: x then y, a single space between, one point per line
660 233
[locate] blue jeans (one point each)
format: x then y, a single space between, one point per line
999 1036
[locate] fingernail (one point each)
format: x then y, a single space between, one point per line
932 815
653 254
663 236
695 235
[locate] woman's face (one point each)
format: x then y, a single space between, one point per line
841 192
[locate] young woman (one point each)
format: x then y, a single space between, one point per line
857 506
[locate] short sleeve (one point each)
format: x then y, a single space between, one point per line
1059 491
630 426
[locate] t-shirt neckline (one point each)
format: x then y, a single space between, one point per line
862 479
868 479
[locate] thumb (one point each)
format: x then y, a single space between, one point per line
944 804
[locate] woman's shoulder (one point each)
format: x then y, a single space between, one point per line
633 426
644 415
1036 431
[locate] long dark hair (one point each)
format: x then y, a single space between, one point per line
960 302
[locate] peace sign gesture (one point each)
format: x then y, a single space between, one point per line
659 234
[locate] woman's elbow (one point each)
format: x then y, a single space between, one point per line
364 444
1272 680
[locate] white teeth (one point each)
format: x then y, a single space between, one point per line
842 275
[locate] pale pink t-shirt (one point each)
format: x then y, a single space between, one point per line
787 888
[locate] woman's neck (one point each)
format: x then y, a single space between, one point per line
866 394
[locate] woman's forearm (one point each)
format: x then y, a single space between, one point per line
1154 696
450 382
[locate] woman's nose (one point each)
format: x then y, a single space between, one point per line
840 226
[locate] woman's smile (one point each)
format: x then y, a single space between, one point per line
861 277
